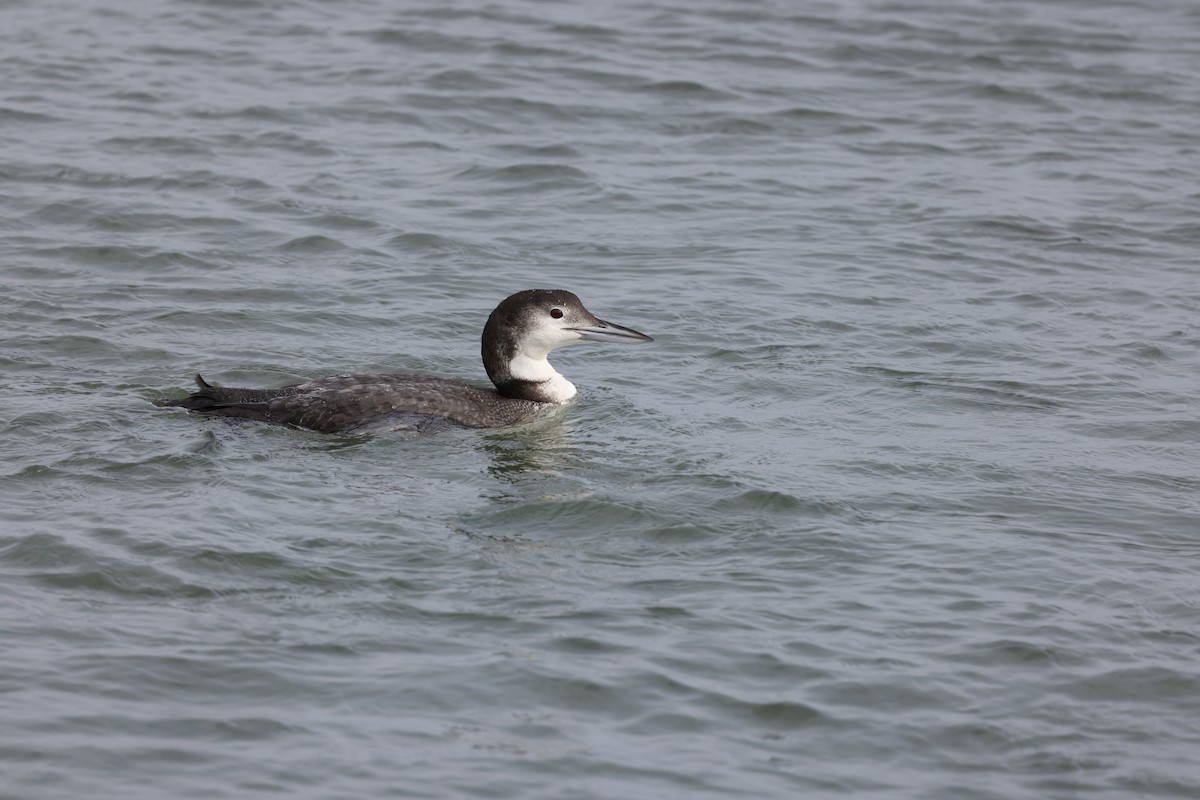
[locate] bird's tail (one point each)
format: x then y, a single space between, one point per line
223 401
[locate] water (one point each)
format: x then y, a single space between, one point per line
902 502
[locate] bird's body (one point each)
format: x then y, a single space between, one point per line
518 336
365 403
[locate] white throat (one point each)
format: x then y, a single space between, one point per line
538 370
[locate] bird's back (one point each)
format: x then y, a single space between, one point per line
364 403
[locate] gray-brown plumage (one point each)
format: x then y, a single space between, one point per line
519 334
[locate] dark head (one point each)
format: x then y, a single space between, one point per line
523 330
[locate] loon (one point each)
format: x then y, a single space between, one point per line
518 336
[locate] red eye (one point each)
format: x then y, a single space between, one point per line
556 313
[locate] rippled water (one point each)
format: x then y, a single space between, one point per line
901 503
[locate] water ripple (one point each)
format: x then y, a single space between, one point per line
901 502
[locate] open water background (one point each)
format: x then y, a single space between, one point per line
904 502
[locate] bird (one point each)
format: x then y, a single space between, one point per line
519 335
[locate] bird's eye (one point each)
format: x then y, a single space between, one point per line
556 313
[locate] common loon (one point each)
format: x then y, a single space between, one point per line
518 336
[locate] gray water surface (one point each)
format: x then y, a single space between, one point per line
901 503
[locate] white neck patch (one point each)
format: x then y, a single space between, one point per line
538 370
